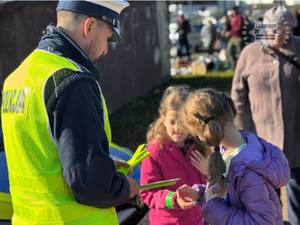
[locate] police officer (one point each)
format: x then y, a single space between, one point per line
56 127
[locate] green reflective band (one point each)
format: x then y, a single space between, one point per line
169 200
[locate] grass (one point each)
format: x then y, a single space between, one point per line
130 122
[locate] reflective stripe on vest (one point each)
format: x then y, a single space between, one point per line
39 192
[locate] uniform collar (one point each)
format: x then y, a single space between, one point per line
59 43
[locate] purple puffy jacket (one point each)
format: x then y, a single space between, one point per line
253 176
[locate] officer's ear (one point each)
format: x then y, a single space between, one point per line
89 26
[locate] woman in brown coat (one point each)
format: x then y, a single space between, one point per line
266 92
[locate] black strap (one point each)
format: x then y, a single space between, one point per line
287 58
1 140
59 82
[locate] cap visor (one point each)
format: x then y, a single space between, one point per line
116 37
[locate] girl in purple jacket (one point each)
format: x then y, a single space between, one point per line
170 157
242 181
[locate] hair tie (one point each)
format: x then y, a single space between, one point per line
217 149
204 119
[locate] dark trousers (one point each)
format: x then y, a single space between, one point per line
184 48
293 194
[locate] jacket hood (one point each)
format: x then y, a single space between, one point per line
263 158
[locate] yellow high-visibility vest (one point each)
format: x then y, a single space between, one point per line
39 192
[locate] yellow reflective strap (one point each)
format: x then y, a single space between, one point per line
39 184
73 212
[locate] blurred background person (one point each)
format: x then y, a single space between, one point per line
224 30
233 48
184 28
208 35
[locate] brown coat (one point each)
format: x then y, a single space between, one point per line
266 92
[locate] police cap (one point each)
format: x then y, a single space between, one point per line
107 11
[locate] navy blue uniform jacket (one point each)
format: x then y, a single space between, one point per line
77 125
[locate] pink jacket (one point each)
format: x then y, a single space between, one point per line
166 161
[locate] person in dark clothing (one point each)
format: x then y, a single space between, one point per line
224 30
60 141
184 28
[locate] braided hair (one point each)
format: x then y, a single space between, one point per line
205 113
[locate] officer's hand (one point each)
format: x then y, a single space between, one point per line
133 187
120 163
123 164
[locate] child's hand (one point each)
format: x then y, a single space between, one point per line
186 195
199 162
184 204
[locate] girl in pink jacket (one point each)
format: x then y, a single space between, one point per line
171 157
